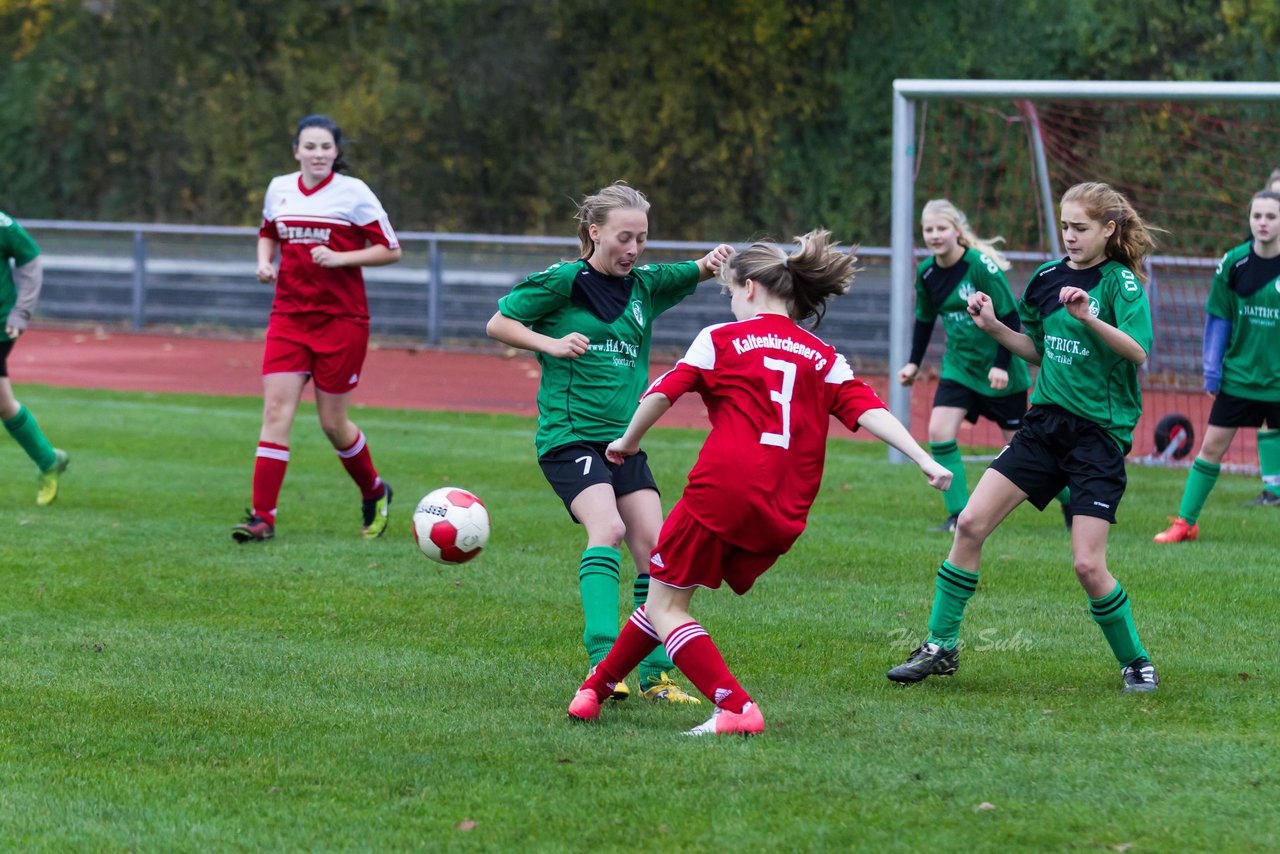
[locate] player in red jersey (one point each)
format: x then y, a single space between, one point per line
770 387
325 227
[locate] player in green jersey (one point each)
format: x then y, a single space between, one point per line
590 323
979 377
1241 371
1088 326
19 291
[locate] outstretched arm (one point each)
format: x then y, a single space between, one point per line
647 414
984 317
888 429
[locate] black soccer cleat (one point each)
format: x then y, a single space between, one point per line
1140 677
928 659
947 527
1266 499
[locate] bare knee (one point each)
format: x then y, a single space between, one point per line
610 533
971 528
1090 570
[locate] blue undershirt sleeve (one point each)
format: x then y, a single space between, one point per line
1217 332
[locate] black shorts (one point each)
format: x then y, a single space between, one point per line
1055 448
5 347
1231 411
572 468
1006 411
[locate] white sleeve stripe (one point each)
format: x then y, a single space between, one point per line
388 232
840 371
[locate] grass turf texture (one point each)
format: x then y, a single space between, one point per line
163 688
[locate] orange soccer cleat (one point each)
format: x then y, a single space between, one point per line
1178 532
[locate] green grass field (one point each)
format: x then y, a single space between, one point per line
162 688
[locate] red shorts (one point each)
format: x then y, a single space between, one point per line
328 347
689 554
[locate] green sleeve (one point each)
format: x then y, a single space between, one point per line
1032 323
15 243
926 311
1222 300
1133 312
991 281
539 295
670 283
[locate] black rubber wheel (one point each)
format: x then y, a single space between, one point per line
1175 429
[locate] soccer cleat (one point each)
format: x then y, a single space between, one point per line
253 529
585 706
928 659
49 478
663 689
376 511
947 527
1266 499
1178 532
1140 677
724 722
620 689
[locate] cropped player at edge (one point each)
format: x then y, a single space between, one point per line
1241 367
770 387
1088 327
326 226
979 378
19 291
590 323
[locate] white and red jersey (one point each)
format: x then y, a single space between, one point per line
770 387
340 212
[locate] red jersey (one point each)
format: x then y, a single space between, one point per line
340 212
770 387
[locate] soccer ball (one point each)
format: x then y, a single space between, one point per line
450 525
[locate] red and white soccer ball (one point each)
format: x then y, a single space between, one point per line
450 525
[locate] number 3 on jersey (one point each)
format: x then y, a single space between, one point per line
783 399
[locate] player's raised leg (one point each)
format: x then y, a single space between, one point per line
352 448
993 499
641 512
696 655
25 430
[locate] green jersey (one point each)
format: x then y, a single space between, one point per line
1079 372
592 398
970 353
15 244
1246 292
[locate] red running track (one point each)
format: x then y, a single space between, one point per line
398 377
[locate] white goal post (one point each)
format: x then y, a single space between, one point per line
906 94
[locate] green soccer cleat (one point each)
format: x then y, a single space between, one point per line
48 490
376 512
662 690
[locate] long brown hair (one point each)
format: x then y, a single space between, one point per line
805 279
1132 241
